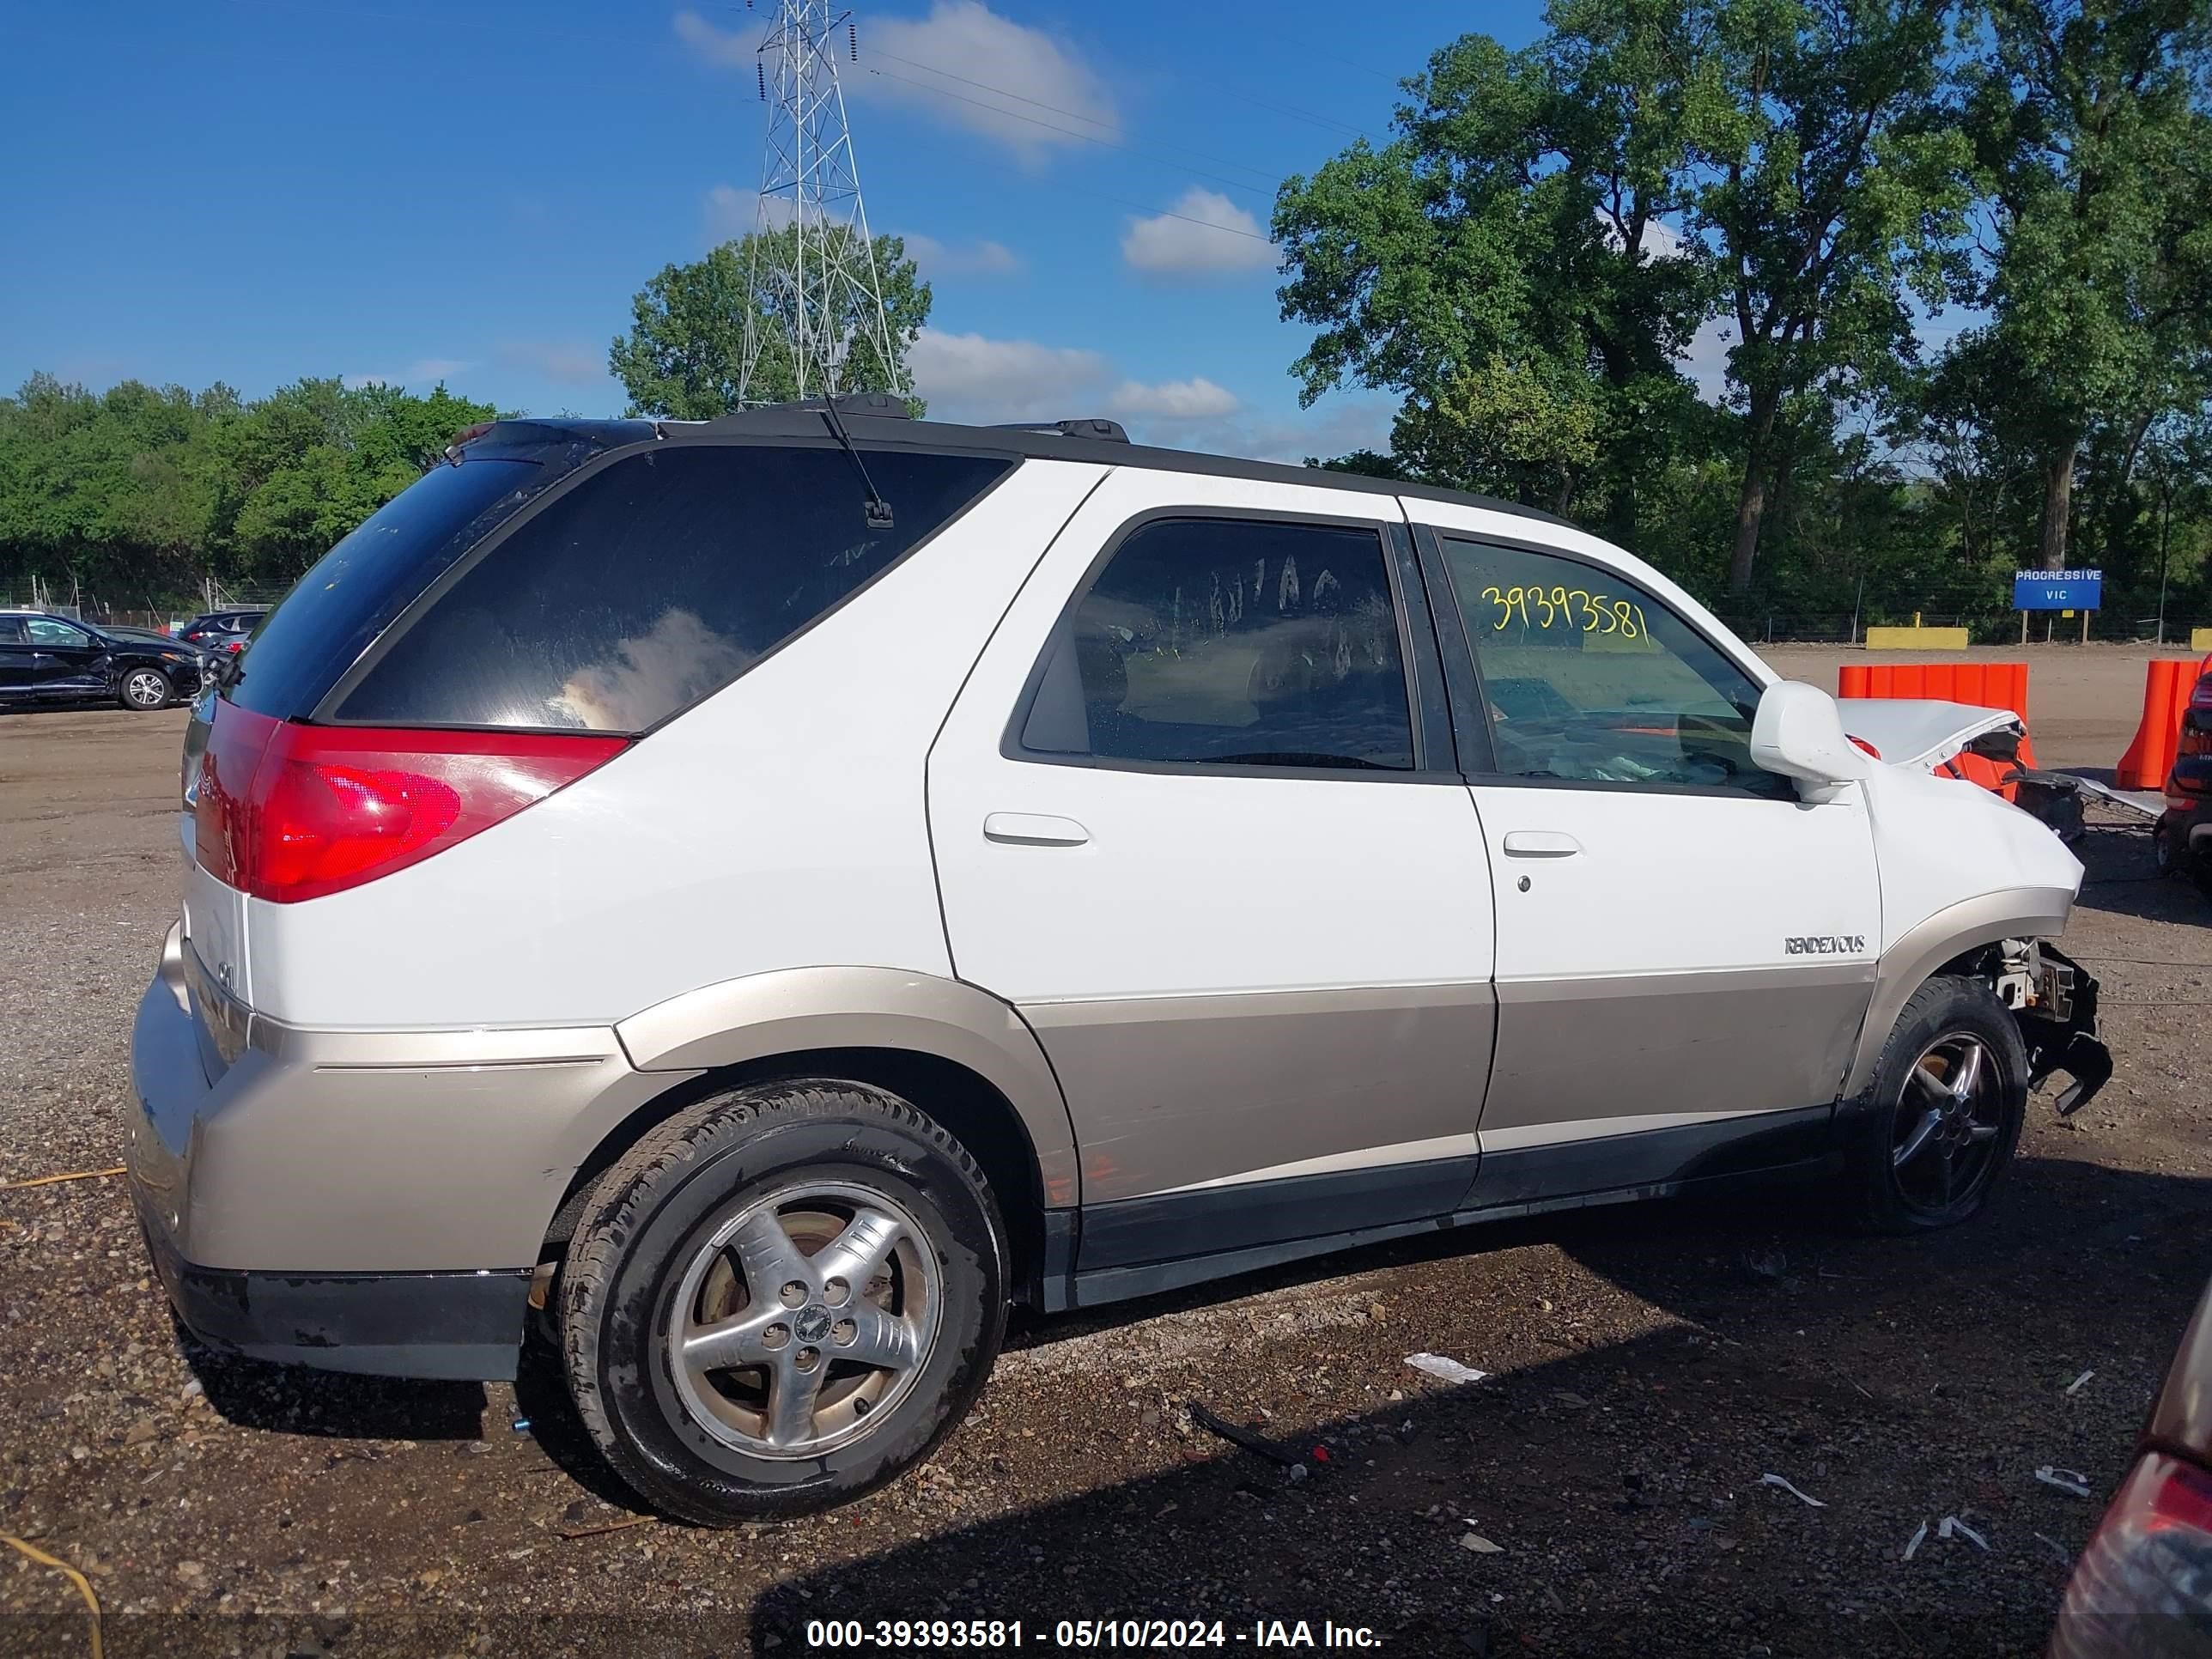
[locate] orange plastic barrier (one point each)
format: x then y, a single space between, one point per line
2167 686
1982 684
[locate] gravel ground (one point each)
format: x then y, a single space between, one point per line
1648 1366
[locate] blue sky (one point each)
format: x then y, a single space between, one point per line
255 190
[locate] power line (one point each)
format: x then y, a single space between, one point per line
1297 113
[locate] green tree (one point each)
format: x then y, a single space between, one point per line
314 459
2094 155
1832 180
684 353
1507 261
142 490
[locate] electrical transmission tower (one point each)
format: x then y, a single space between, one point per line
813 262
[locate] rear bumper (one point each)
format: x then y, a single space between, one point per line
460 1326
365 1201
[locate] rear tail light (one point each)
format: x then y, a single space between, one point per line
288 812
2143 1586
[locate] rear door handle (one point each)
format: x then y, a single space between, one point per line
1541 844
1031 829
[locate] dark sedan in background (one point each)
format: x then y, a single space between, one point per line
224 631
48 659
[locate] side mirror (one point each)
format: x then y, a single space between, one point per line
1799 733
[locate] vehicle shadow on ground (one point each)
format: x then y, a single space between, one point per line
1622 1478
2122 880
292 1399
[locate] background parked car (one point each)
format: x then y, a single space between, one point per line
2184 837
136 635
2144 1584
47 659
224 630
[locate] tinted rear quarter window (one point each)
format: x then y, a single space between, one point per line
350 593
653 582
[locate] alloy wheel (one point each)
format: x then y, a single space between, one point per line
1943 1138
146 689
803 1319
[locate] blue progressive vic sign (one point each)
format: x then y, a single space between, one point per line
2057 590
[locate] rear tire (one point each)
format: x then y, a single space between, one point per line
145 690
1936 1130
780 1298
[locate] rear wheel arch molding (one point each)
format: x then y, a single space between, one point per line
954 1051
1935 945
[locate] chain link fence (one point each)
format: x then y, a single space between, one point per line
141 607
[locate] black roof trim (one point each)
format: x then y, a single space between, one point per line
1052 443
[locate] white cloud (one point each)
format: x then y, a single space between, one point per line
728 49
971 377
1205 235
968 377
566 360
938 259
963 64
422 373
1173 400
732 212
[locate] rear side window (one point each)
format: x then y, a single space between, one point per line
654 583
1231 643
349 594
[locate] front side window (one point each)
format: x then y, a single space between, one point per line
1590 679
44 630
655 582
1231 643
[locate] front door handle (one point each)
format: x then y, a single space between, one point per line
1032 829
1541 844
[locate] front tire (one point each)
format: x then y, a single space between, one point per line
145 690
780 1298
1936 1132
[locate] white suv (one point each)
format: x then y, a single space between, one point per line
767 895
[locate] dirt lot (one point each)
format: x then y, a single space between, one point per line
1649 1367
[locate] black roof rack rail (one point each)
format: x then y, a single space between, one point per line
881 404
806 415
1107 432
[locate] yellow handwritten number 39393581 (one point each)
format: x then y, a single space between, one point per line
1566 607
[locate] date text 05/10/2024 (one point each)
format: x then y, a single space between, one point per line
1002 1635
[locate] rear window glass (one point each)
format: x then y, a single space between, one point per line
351 593
654 583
